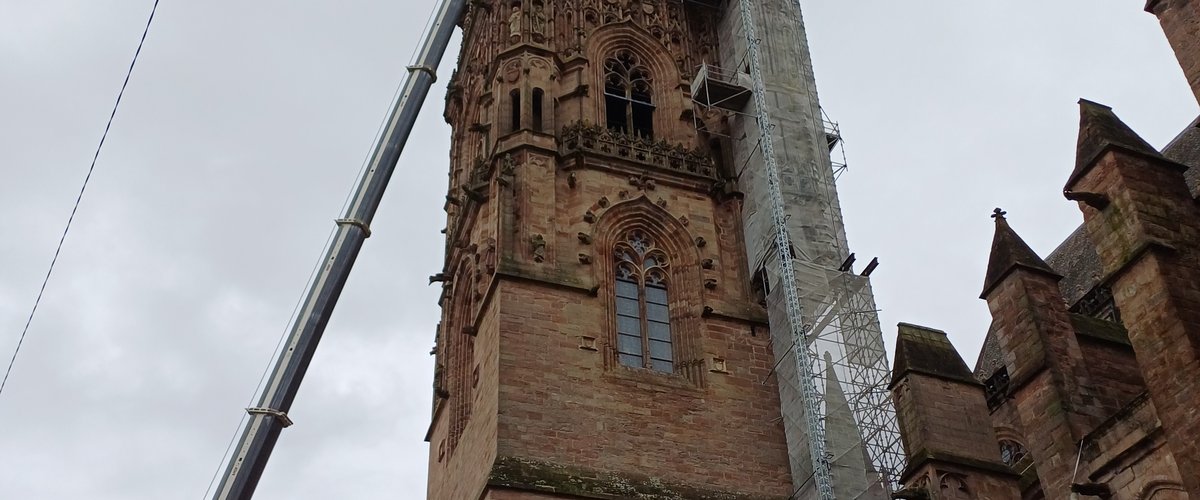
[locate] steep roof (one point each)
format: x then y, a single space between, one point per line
1100 129
1185 149
991 358
1076 259
1079 264
1009 252
928 351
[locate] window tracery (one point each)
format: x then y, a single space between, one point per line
627 96
1011 452
461 353
642 315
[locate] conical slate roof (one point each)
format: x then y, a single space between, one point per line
1009 252
1100 129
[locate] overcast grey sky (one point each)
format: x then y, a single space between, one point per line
241 133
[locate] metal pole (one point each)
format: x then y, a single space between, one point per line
822 475
269 416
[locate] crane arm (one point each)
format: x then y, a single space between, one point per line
269 416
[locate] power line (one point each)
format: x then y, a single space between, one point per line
78 198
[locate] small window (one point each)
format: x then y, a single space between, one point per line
537 110
515 97
1012 452
628 104
643 318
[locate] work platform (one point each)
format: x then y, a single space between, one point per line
714 86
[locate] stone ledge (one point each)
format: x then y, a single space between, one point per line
926 457
582 137
531 475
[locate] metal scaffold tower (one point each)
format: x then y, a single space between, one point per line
831 359
810 399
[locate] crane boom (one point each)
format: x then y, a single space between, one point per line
269 416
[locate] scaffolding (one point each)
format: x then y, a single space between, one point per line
831 366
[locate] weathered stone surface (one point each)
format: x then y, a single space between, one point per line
535 403
1180 20
948 437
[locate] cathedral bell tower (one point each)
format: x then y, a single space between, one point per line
600 336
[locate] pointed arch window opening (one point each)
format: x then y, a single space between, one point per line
536 113
643 318
628 105
515 112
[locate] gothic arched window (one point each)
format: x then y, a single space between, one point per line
627 104
460 342
514 99
536 103
643 322
1011 452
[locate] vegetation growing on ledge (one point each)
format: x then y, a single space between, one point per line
523 474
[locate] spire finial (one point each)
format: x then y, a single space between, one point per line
1009 251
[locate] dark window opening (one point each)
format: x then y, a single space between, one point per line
1099 304
995 388
761 284
537 110
718 155
615 112
642 314
643 120
629 108
515 96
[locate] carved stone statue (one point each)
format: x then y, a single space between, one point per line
539 247
514 24
538 24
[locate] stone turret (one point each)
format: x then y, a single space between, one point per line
947 433
1049 381
1145 225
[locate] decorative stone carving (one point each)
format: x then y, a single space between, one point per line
489 256
595 139
589 217
953 486
476 193
706 263
701 242
538 244
508 170
538 24
585 238
511 72
514 24
642 182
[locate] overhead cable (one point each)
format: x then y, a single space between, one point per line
75 208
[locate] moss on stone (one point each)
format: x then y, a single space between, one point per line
525 474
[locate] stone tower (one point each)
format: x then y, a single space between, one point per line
601 333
